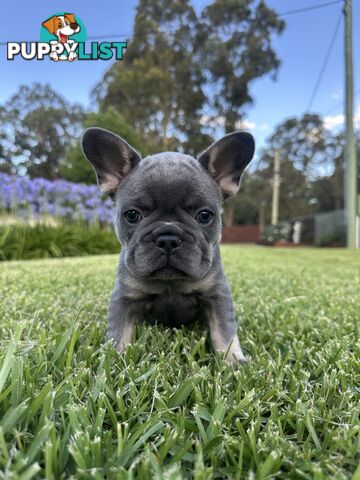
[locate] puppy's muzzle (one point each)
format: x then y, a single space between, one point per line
167 238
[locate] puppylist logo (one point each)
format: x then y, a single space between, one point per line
62 38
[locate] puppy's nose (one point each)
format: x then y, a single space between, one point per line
74 26
168 243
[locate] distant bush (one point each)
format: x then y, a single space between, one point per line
337 236
279 232
24 241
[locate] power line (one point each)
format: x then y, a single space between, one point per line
324 65
128 36
340 104
306 9
92 37
108 36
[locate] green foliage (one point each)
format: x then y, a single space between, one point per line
36 126
180 64
303 142
337 235
306 150
75 168
24 241
280 232
236 38
327 192
159 88
71 407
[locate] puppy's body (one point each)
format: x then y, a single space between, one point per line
168 221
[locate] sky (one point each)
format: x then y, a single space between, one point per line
301 48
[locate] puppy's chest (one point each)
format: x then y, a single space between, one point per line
173 309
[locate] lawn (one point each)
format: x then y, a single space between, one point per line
168 408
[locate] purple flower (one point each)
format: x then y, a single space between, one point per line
59 198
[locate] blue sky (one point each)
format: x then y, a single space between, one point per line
301 48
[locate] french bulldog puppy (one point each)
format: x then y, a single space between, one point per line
168 221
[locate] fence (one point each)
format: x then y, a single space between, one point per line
241 234
329 225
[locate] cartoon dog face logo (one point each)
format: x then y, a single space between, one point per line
62 26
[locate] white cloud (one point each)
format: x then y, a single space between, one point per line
219 122
213 121
245 124
337 95
333 122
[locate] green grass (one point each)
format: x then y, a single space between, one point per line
70 407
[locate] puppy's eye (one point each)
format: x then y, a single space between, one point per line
204 217
133 216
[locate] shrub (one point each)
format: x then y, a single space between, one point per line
279 232
336 235
24 241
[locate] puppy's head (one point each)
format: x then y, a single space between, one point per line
168 205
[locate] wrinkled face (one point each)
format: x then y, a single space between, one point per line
168 205
168 218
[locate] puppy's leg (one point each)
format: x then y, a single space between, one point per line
122 318
223 328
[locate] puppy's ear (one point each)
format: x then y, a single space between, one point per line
52 24
70 17
110 156
226 159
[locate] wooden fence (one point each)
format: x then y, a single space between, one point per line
241 234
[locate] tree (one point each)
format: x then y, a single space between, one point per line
159 86
39 124
305 142
327 191
236 39
322 197
312 167
5 159
75 168
294 192
248 201
302 144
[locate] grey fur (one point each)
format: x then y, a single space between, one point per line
169 189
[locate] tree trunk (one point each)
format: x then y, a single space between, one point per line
229 212
165 124
230 121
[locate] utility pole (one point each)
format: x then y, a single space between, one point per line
350 170
276 190
262 218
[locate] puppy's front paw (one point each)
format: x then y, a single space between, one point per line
235 357
121 337
231 349
120 346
